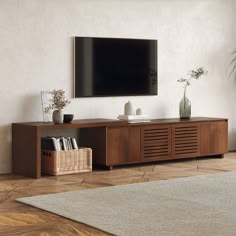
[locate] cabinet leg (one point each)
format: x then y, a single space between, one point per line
110 167
220 156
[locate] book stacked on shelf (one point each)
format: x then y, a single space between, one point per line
58 143
134 118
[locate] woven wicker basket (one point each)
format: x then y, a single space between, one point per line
66 162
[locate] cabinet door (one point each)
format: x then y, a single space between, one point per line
123 145
214 137
156 142
117 145
185 140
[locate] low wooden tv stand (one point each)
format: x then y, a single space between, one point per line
116 142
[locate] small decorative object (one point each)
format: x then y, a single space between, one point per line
139 111
185 104
58 116
128 110
58 102
46 96
68 118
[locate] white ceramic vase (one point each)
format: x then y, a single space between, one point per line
139 111
128 110
58 116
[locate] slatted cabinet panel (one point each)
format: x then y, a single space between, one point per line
185 140
156 142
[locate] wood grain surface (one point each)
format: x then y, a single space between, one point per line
20 219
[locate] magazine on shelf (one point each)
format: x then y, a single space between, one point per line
139 121
74 142
133 117
58 143
48 143
59 148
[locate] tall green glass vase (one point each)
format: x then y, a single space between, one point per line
185 107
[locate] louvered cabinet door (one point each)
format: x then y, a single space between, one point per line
156 142
185 140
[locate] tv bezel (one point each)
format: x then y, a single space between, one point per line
128 95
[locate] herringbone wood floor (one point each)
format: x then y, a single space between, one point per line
19 219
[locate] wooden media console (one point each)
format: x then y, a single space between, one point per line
116 142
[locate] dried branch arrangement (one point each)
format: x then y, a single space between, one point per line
58 101
194 74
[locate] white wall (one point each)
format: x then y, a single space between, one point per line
36 53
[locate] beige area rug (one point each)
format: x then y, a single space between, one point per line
200 205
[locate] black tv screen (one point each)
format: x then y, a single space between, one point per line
115 67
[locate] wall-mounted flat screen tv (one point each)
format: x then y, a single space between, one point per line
114 67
